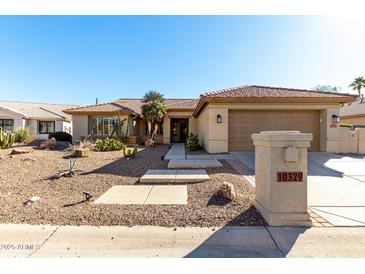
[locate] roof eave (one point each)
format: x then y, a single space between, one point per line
315 100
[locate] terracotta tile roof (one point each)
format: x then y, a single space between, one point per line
353 109
132 106
270 92
112 107
136 104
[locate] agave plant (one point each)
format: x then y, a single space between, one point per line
70 171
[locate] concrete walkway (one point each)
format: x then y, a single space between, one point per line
177 151
149 241
174 176
145 195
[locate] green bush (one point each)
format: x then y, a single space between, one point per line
192 142
24 136
61 136
108 144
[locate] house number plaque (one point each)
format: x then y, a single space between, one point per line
289 176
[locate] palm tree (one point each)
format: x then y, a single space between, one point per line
153 109
358 84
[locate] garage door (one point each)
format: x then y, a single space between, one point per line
243 123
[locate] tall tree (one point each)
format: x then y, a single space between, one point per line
153 109
327 88
358 84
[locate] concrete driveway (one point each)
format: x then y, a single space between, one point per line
336 186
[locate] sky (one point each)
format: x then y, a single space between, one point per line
75 59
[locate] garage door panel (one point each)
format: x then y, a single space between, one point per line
243 123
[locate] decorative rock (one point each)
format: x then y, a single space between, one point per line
82 152
227 191
48 144
34 199
30 159
11 156
21 150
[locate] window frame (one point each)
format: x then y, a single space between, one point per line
100 122
6 119
47 132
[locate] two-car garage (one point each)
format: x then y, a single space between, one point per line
243 123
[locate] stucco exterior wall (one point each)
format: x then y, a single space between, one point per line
79 126
353 120
203 128
166 138
214 136
352 141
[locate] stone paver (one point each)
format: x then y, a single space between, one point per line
159 176
168 195
125 195
180 163
140 195
210 157
174 176
191 175
177 151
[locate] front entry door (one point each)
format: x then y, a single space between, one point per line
179 130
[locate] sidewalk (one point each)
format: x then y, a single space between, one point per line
17 240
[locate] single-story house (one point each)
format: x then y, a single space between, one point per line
225 119
353 113
40 118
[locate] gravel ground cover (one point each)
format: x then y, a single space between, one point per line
27 175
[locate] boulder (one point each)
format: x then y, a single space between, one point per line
82 152
227 191
48 144
22 150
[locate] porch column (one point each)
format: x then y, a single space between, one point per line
281 177
166 129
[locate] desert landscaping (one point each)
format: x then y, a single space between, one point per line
62 202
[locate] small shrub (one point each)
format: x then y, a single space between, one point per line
24 136
130 153
192 142
61 136
108 144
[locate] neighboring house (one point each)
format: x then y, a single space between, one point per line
224 120
40 118
353 113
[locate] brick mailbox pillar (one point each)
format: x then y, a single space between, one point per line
281 177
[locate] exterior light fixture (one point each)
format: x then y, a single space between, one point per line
335 119
134 123
219 119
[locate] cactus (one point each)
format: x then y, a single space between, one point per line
6 139
130 153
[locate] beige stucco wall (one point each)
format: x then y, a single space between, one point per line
214 136
79 126
203 128
177 114
352 141
353 121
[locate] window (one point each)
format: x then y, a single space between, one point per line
7 124
101 125
45 127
